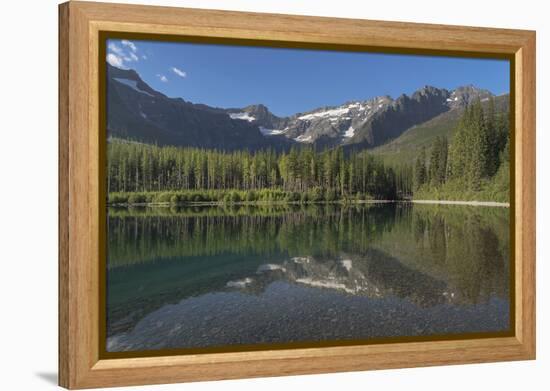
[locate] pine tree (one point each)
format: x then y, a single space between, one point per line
478 147
420 174
443 156
435 158
456 167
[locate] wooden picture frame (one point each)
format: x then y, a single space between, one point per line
80 189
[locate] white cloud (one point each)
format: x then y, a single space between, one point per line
130 57
114 48
124 53
162 78
144 56
129 44
178 72
115 60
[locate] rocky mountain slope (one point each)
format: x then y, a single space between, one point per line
136 111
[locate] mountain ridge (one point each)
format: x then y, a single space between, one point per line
137 111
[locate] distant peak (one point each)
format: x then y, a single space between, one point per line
471 88
467 94
256 107
430 90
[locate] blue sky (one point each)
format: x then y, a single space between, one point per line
288 81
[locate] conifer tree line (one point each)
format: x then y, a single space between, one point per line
479 149
134 167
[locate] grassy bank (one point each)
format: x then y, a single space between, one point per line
231 197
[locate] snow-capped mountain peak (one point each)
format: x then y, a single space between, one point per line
333 124
369 122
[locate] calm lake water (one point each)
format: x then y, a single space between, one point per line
212 276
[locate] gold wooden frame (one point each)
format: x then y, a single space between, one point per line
81 156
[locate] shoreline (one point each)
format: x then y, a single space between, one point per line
247 203
428 202
470 203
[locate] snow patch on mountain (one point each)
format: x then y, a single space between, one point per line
242 116
271 132
303 138
132 84
325 113
350 132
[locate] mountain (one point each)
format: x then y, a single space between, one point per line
400 115
361 124
324 126
136 111
367 124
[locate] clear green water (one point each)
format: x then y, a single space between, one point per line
212 276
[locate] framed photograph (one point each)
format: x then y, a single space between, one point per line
247 195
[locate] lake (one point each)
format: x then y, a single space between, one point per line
237 276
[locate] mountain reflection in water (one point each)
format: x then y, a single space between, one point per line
216 277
